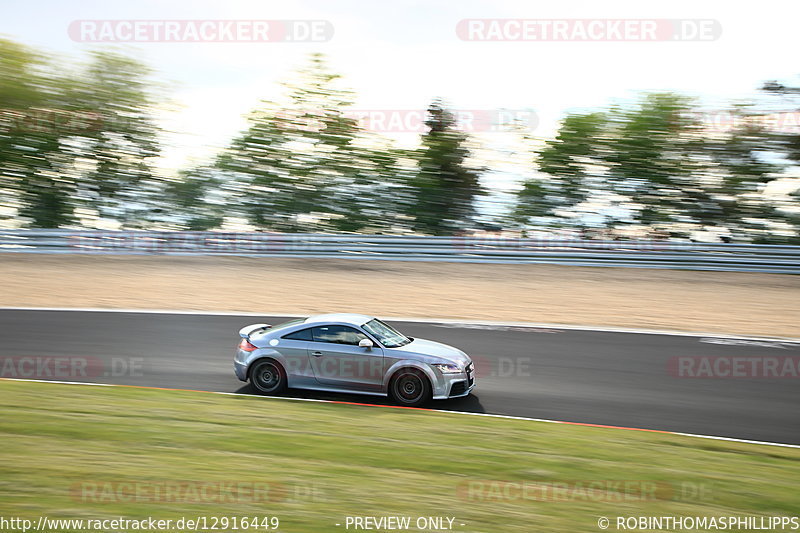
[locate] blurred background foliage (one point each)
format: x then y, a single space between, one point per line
75 140
663 168
80 144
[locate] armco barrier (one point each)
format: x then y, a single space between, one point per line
479 249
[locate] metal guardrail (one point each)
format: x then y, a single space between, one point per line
648 254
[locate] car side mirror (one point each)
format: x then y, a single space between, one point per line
365 343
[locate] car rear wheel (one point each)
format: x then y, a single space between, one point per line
410 387
268 377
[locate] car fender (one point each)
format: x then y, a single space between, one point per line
409 363
265 353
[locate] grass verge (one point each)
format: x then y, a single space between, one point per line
92 452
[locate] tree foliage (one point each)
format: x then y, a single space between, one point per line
444 187
71 140
304 165
659 161
78 146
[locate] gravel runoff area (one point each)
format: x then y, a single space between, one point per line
722 302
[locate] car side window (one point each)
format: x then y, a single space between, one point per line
337 335
301 335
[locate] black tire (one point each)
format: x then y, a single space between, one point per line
410 387
268 376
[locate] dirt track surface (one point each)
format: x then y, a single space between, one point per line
724 302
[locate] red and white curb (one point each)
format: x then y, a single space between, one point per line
465 413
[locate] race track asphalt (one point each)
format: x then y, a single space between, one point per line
610 378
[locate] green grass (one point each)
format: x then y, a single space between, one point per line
336 460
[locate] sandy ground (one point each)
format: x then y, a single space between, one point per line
745 303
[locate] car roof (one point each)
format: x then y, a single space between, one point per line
343 318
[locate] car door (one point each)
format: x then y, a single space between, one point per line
294 348
338 360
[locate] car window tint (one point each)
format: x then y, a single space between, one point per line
337 335
302 335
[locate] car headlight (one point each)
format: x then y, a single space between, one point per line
447 368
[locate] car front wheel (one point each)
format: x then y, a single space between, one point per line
410 388
268 377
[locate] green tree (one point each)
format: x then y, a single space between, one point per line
31 160
118 149
307 165
444 189
76 139
655 156
660 162
789 141
570 164
196 200
736 179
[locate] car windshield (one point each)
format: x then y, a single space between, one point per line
386 334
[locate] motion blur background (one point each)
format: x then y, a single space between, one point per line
392 122
429 137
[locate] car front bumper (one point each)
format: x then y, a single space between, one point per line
454 385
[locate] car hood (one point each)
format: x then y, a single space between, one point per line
435 349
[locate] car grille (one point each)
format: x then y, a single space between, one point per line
458 388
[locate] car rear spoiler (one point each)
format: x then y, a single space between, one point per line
246 331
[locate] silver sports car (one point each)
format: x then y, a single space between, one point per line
346 352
